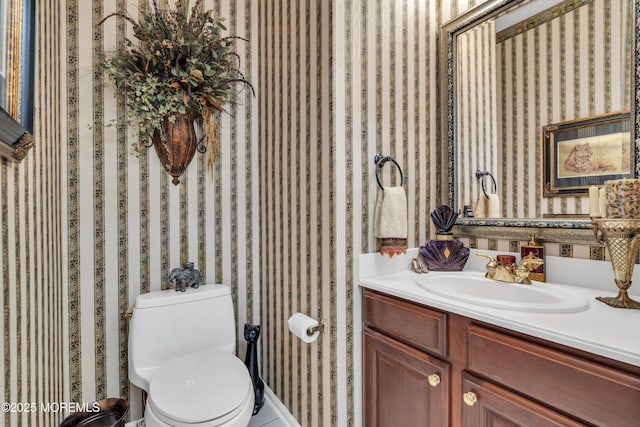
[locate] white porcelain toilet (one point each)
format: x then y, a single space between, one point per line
181 352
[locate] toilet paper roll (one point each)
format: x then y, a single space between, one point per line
298 325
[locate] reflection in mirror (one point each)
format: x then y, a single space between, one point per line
506 81
17 29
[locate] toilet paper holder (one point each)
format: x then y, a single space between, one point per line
320 327
306 327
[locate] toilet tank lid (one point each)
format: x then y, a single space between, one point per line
171 296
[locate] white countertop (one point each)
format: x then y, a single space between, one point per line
602 330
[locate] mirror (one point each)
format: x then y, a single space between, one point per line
571 60
17 53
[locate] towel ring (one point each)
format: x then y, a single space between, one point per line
480 176
380 161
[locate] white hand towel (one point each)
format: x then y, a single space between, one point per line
390 220
493 206
481 207
488 206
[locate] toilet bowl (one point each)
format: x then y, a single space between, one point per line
181 352
207 388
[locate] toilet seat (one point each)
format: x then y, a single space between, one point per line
207 388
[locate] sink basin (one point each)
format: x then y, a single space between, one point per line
474 288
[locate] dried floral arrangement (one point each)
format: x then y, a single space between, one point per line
180 61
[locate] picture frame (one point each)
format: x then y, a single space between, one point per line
584 152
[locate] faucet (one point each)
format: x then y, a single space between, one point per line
511 273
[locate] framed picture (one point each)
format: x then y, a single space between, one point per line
585 152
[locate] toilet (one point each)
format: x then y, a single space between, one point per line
182 354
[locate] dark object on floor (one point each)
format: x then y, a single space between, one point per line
251 335
111 412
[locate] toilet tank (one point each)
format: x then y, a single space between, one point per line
167 324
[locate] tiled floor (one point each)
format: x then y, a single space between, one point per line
271 415
267 417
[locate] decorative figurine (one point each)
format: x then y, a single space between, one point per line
185 276
534 250
444 253
251 335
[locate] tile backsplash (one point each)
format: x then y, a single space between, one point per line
565 250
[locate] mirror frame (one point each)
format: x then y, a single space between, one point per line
557 230
16 136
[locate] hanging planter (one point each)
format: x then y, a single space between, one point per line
178 70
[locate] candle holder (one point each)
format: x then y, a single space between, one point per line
622 237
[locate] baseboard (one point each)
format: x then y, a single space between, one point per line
279 407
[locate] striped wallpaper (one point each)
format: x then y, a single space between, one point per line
282 219
339 81
31 246
127 225
590 76
298 256
478 108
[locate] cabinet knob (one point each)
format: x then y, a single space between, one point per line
434 380
470 398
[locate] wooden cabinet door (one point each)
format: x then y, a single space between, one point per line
598 394
400 387
488 405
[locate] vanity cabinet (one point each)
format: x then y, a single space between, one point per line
486 375
488 404
401 377
407 375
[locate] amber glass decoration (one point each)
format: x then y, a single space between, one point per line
622 237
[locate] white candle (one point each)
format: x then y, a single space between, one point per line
602 203
594 201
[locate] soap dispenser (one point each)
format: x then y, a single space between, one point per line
534 249
444 253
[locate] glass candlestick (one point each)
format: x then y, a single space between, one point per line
622 237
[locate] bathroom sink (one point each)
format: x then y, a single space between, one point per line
474 288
